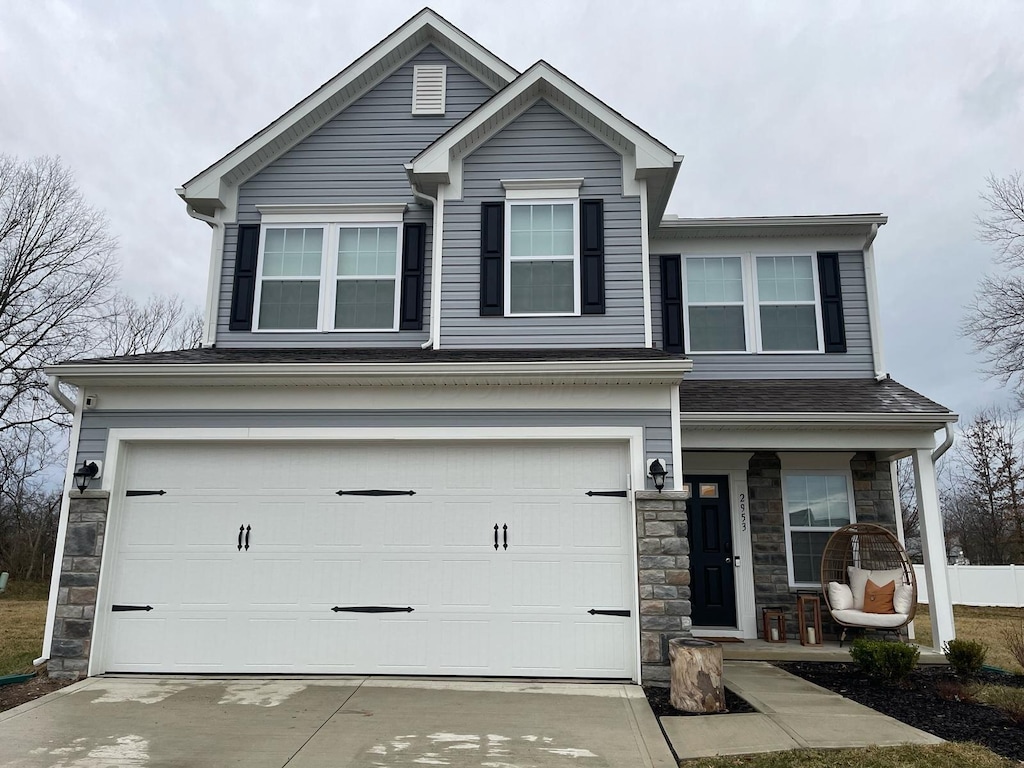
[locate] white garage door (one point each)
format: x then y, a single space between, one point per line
492 567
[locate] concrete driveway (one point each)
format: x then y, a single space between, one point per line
301 723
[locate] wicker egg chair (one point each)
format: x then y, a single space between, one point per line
873 548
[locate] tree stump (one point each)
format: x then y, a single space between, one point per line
696 675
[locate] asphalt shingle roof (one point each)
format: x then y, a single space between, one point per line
803 396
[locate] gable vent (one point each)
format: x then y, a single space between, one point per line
428 86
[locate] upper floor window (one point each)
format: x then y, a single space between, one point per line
543 258
328 277
744 302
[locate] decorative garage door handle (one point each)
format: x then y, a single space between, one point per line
495 537
145 493
376 493
247 529
119 608
504 529
371 609
601 612
241 531
622 494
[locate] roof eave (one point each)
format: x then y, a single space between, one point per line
761 418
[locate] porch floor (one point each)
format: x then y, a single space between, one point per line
759 650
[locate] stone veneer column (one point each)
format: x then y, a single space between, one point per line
79 577
664 567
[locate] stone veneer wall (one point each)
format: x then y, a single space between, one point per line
76 593
872 495
664 567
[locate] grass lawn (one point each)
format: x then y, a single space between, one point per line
22 618
939 756
983 624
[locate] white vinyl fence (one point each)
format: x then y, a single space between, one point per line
997 585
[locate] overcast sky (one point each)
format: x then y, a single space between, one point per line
779 108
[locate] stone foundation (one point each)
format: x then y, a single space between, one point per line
664 567
76 593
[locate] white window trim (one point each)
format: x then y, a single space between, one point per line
757 307
744 267
329 276
507 234
818 469
752 306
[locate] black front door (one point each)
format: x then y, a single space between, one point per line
713 590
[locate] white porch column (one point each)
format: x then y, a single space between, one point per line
933 547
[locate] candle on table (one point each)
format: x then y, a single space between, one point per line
811 639
775 634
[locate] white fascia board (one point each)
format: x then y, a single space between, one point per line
257 374
434 161
757 222
363 212
817 419
427 24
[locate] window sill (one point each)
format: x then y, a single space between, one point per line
543 314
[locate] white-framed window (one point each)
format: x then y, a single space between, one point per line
543 263
815 502
744 302
327 277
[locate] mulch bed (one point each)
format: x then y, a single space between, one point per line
658 698
16 694
916 702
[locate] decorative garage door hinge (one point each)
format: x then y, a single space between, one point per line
371 609
376 493
622 494
600 612
118 608
145 493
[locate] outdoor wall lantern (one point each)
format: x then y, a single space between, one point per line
657 471
85 473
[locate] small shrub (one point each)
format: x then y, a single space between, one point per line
1013 639
966 657
884 660
1008 700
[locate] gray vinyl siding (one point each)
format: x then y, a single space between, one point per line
543 143
92 441
856 362
357 157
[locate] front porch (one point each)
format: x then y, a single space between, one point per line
760 650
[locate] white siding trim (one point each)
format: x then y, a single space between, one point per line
528 189
874 319
332 214
677 440
645 260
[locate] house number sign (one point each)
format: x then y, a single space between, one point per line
743 511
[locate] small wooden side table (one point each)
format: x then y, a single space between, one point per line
810 625
773 619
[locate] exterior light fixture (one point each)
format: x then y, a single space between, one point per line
84 474
657 471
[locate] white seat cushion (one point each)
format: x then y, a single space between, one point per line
861 619
840 596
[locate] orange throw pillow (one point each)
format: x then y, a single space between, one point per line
879 599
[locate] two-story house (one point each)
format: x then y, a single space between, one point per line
454 347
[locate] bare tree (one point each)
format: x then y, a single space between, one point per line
908 507
995 316
56 270
162 323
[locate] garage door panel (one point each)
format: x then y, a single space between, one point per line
515 610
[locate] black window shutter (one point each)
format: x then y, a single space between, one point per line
592 257
243 289
492 258
672 303
414 251
831 302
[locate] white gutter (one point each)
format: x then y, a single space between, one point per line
436 237
819 418
874 318
54 389
743 222
213 277
945 445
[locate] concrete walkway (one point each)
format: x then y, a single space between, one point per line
329 722
791 714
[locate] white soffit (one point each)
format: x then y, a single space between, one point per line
676 227
211 189
438 162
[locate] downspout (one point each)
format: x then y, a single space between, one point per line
54 389
434 331
945 445
213 280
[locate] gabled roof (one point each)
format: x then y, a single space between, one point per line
644 157
211 189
